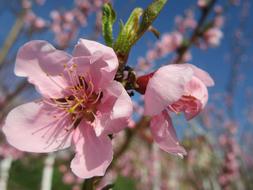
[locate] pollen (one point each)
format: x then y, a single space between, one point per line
80 99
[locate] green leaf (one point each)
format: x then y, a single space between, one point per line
24 175
132 25
128 32
134 28
108 19
150 15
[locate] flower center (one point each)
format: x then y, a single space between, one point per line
81 99
81 104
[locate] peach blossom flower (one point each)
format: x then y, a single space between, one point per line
174 88
81 104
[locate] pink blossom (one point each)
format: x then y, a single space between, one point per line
186 22
63 168
66 24
26 4
203 3
186 57
39 23
34 22
68 178
151 55
213 36
169 43
81 104
175 88
219 21
143 65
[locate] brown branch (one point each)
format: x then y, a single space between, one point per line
10 97
88 184
12 37
196 33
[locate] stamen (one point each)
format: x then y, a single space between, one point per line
90 88
76 77
98 98
74 124
82 81
63 141
69 72
81 104
55 134
72 109
49 125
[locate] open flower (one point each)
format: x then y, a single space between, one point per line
81 104
173 88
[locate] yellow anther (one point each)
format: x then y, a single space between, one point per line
72 109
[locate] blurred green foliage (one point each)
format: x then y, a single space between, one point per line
124 183
26 174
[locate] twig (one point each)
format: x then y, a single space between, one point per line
10 97
183 49
11 38
88 184
20 87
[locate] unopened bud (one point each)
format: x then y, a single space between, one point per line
142 82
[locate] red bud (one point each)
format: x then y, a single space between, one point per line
142 82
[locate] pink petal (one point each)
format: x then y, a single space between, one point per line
187 104
164 134
93 154
31 127
42 64
116 108
202 75
122 104
102 59
88 47
197 89
101 69
192 109
165 87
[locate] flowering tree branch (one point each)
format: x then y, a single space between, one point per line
197 31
